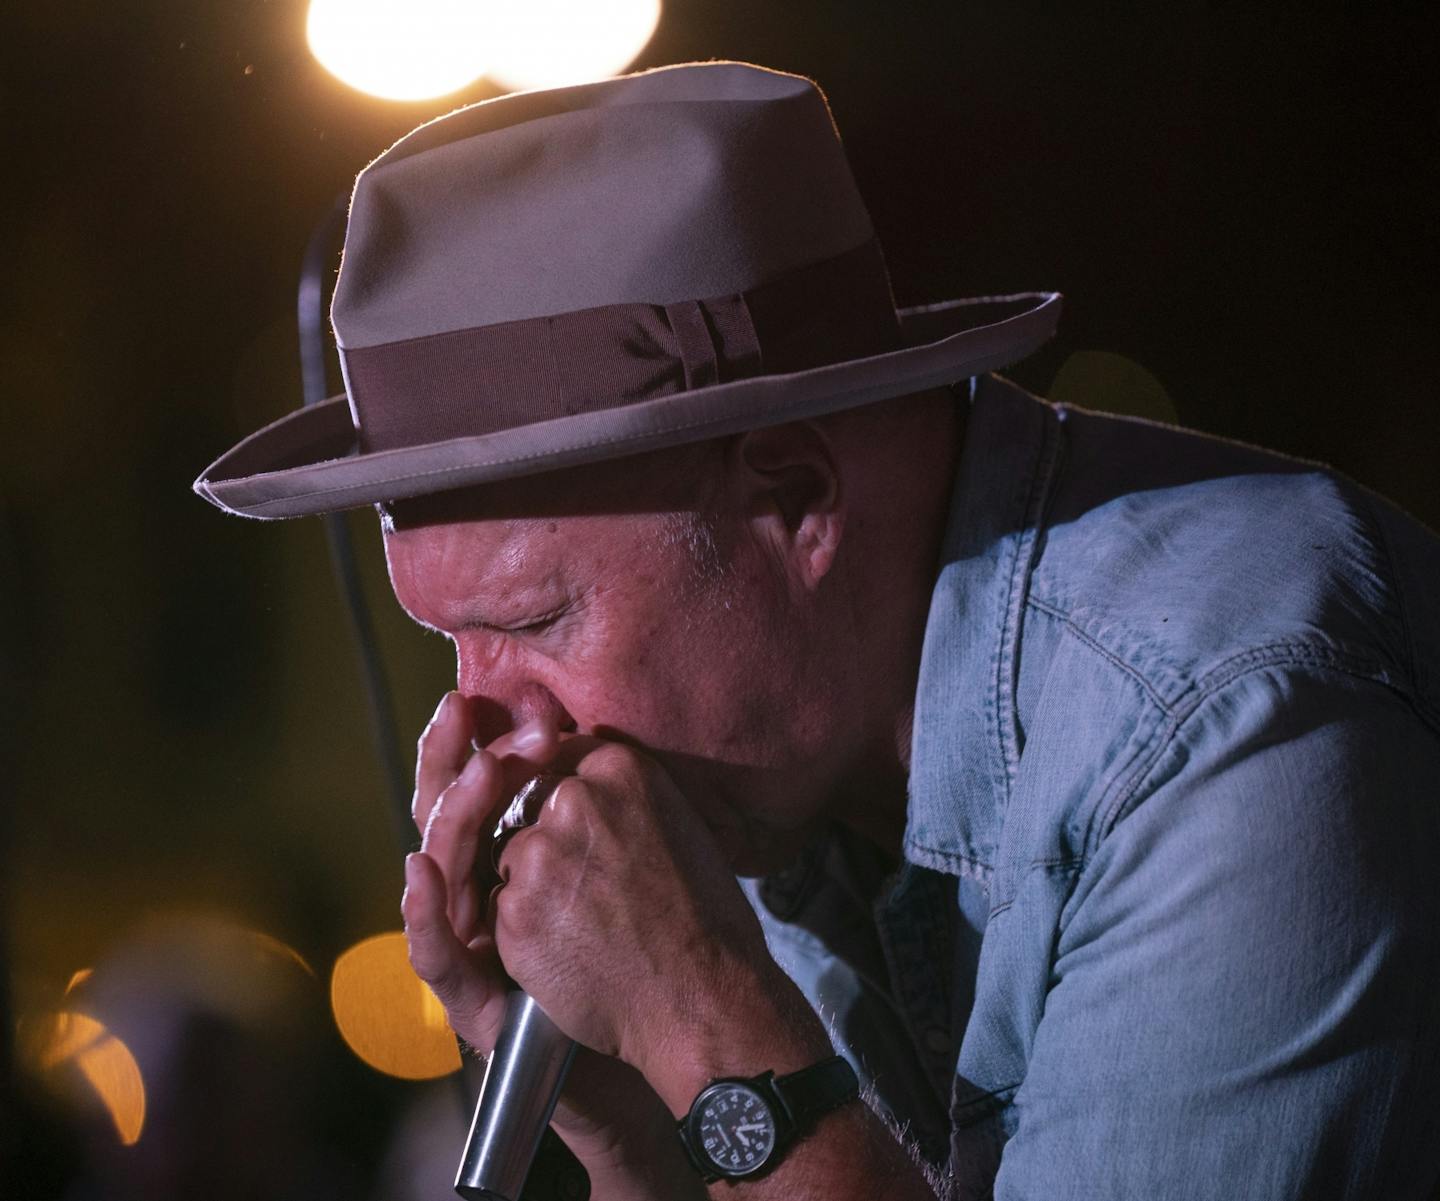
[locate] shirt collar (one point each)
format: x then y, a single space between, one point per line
964 747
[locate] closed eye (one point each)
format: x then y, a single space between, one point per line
540 624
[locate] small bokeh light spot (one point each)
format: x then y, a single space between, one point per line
386 1014
1111 383
105 1062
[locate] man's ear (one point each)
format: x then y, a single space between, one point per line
793 496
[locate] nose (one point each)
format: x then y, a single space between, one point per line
499 703
491 717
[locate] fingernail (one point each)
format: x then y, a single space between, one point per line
528 736
442 710
472 769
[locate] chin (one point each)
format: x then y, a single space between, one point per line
755 852
742 828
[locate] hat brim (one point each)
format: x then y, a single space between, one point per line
308 461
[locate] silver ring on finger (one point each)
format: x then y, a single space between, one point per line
523 810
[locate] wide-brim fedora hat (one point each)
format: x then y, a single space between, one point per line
558 277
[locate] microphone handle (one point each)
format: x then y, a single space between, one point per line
522 1083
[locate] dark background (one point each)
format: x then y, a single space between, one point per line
1238 197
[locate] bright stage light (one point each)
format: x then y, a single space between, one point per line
550 43
401 49
419 49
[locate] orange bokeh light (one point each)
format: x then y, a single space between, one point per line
387 1015
104 1061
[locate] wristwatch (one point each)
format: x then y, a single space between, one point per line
741 1126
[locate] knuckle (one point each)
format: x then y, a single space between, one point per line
514 914
435 819
611 758
542 858
518 861
568 805
455 804
504 913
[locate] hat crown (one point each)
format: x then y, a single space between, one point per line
655 188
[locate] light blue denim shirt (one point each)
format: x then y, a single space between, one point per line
1167 921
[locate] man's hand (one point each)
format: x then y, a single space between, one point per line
608 1115
620 916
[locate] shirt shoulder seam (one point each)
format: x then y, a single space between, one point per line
1128 789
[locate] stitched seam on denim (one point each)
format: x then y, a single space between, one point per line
1059 865
1017 589
1100 649
949 861
1125 774
1285 650
1289 651
995 712
1303 654
1211 685
1070 865
1382 540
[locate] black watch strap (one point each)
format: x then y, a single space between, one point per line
812 1092
796 1102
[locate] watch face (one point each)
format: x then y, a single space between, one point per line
735 1128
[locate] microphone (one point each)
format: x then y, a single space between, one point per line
517 1098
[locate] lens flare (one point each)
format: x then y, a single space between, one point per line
387 1015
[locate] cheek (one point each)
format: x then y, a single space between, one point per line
695 659
721 685
658 679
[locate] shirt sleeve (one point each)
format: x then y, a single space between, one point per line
1245 994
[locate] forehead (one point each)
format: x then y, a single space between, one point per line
514 543
449 574
505 551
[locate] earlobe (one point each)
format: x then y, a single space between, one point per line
793 492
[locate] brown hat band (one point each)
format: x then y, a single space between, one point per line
476 381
